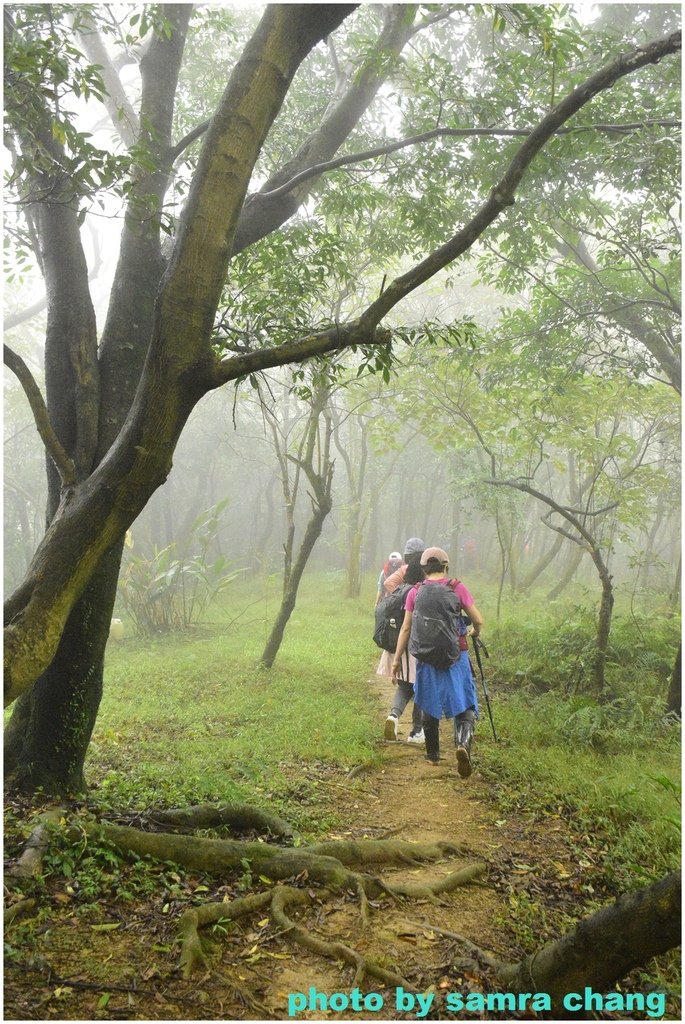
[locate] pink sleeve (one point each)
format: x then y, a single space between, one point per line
394 579
411 599
463 594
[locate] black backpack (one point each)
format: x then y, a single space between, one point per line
435 624
389 618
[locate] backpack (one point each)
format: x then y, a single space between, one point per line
391 566
435 624
389 618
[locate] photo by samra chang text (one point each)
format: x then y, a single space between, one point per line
647 1004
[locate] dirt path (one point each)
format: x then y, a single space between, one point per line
78 971
416 801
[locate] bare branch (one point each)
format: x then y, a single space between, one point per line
65 465
503 194
435 133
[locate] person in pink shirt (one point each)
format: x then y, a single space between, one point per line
437 691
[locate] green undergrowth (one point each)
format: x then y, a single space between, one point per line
189 718
192 718
623 808
611 768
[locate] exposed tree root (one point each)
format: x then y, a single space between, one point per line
31 860
17 910
479 955
598 952
385 851
238 817
285 895
192 956
326 863
321 866
447 884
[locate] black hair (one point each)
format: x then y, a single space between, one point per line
413 557
414 573
433 565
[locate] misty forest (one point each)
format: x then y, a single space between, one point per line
290 290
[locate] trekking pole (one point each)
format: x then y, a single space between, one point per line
477 646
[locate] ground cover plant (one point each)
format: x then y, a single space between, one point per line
192 720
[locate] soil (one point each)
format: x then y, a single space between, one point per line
79 970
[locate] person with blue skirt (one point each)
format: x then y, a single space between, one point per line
449 691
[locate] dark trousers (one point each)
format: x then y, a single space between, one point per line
431 729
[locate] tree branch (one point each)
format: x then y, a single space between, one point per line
503 194
121 113
65 465
455 133
260 215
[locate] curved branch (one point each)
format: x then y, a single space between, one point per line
503 194
454 133
545 498
65 465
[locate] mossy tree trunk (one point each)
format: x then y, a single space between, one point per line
88 401
604 947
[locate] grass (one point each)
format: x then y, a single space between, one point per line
612 769
189 719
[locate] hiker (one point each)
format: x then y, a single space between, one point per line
446 688
393 563
413 549
408 573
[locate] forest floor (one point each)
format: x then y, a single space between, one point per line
119 962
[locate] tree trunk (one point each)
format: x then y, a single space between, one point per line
574 561
675 592
47 737
674 703
261 553
354 575
48 734
311 535
321 482
543 562
603 631
604 947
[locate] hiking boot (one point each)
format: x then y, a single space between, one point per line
463 762
432 760
463 738
416 737
390 732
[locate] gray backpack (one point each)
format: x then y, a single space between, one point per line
434 635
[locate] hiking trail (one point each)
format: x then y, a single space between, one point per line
252 969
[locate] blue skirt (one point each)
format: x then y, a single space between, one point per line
446 691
